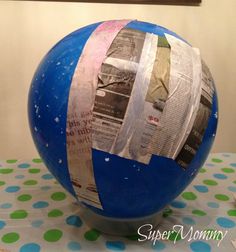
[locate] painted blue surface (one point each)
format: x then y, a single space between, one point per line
126 188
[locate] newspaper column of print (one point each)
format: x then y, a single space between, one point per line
195 137
115 83
143 143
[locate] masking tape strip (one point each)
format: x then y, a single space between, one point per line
80 106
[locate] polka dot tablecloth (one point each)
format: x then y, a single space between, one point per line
36 214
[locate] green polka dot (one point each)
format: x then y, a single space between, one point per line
198 212
214 234
234 181
175 236
202 170
167 212
189 196
18 214
52 235
216 160
232 212
24 197
222 197
133 237
37 160
210 182
6 171
30 182
34 170
228 170
2 183
10 237
57 196
55 213
92 235
11 161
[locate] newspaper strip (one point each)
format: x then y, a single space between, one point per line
119 104
183 99
80 106
195 137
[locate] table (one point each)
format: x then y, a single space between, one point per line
37 214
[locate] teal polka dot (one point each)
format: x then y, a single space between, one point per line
74 220
232 188
37 223
200 246
233 164
201 188
220 176
40 204
213 204
159 246
225 222
188 221
73 246
115 245
12 189
178 204
2 224
6 205
24 165
47 176
30 247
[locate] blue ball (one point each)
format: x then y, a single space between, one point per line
128 184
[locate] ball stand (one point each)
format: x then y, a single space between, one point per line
118 226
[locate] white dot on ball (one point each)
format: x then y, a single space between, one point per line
56 119
59 161
107 159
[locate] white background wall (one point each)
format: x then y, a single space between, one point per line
29 29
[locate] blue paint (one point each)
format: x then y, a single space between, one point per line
200 246
40 204
115 245
12 189
201 188
115 192
220 176
74 220
30 247
178 204
213 204
225 222
73 246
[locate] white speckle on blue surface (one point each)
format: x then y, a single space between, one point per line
107 159
47 106
126 178
47 145
62 132
58 63
72 63
216 115
60 161
134 165
35 129
55 96
39 116
43 75
56 119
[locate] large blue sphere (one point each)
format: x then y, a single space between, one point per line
127 185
